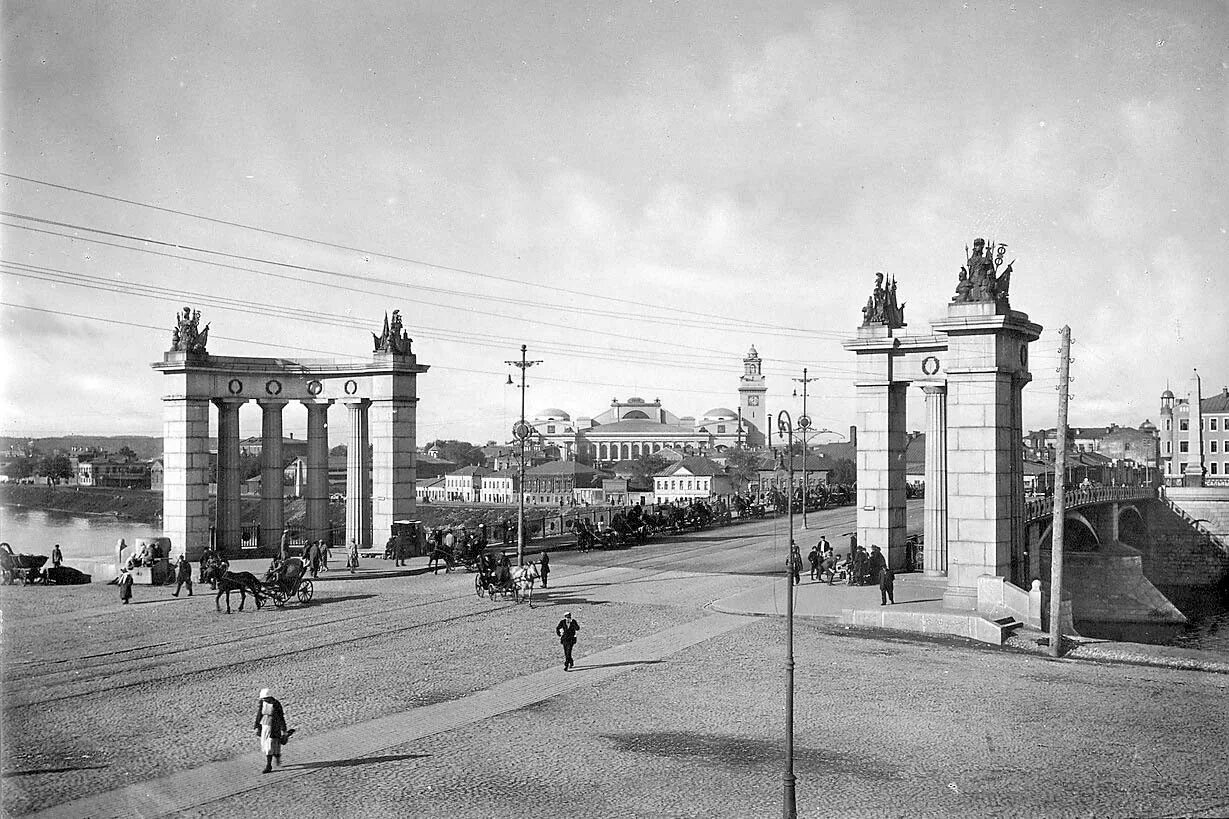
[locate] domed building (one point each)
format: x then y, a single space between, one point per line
635 427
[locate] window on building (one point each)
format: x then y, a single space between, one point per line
1169 424
550 429
1184 424
1212 423
1183 446
1213 445
721 429
1212 466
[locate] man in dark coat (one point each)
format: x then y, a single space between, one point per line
544 567
813 559
183 575
566 630
880 572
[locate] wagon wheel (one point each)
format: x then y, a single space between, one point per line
279 597
305 591
478 589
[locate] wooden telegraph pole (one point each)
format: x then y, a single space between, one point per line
1060 489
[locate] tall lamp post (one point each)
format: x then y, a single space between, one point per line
804 423
789 805
521 433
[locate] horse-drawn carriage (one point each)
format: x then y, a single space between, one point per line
27 567
286 582
506 581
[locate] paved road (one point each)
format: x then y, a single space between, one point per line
111 697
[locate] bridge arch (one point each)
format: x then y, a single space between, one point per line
1078 534
1132 529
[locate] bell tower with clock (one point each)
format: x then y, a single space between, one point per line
751 391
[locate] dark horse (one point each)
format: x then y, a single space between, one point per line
437 554
228 581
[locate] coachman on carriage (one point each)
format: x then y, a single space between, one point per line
285 580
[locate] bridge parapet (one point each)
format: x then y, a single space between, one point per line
1077 498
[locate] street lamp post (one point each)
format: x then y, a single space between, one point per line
804 422
789 805
521 432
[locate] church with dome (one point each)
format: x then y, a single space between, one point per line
635 427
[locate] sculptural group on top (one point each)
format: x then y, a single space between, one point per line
187 337
394 339
881 306
984 278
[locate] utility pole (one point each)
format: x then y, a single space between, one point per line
805 423
521 432
789 805
1060 489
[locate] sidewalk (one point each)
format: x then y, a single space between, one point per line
306 754
915 595
919 609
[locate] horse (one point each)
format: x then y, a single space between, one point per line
523 578
228 581
212 560
437 554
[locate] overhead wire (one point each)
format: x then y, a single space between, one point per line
470 337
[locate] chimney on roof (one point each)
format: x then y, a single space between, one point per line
853 435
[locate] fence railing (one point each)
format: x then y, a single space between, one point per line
1075 498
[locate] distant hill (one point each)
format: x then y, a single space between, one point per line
145 446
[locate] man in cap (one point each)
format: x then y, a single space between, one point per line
566 630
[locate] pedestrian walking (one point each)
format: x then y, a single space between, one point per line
56 556
879 571
793 564
829 565
352 558
311 556
125 586
283 547
813 559
183 575
566 630
326 552
271 728
544 567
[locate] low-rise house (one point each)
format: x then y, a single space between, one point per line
695 478
500 487
554 483
465 484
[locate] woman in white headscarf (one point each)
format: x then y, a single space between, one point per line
271 726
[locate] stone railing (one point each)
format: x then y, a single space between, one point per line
1075 498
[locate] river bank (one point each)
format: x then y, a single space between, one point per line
145 506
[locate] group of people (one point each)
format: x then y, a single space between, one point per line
861 568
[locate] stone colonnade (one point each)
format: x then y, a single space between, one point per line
380 399
972 370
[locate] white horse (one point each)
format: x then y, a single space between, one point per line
523 578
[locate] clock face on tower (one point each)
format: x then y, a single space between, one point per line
753 400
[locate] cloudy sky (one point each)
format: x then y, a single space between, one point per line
638 191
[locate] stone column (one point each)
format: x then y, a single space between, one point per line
1192 475
185 476
987 365
935 502
881 469
228 523
358 498
393 464
317 494
1020 574
272 490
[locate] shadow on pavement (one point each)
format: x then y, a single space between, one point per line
34 771
349 763
613 665
324 601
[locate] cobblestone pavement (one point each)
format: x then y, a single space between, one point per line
885 726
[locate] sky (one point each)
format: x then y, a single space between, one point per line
638 192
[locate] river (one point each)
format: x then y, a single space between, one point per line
81 537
